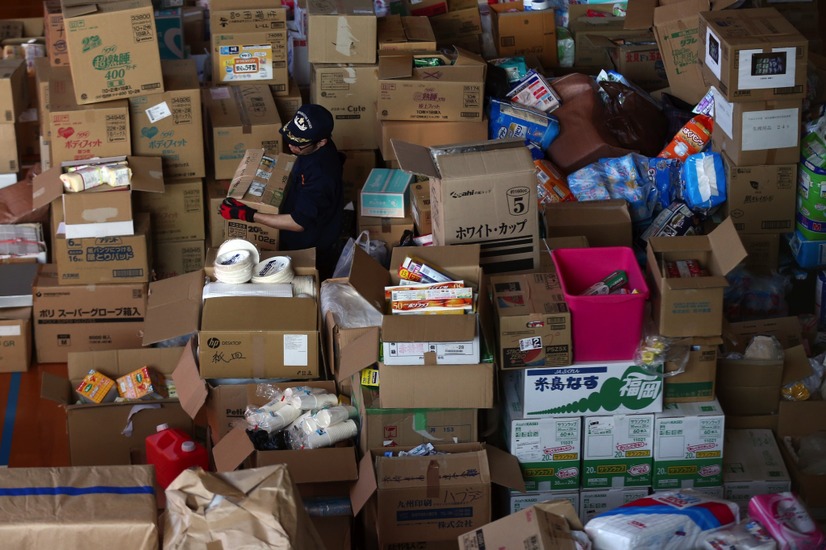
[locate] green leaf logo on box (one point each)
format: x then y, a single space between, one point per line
637 389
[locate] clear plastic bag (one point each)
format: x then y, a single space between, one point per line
375 248
349 308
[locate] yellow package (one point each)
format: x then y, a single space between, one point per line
96 388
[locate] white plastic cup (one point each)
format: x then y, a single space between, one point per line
335 415
332 435
314 401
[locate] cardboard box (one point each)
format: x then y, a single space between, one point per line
807 253
240 117
543 527
409 509
124 503
453 91
54 32
469 184
593 502
249 43
639 61
428 133
761 199
520 501
549 450
263 236
752 54
169 124
408 33
103 211
16 280
787 330
177 213
752 466
260 179
424 8
113 49
13 95
9 157
533 321
241 336
216 192
602 223
697 382
385 193
173 258
349 92
586 26
385 427
15 339
42 74
520 32
688 446
798 419
440 340
420 207
752 386
757 132
462 28
341 33
617 387
617 451
546 265
693 306
105 260
88 425
84 131
85 317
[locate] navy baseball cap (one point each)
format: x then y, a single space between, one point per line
310 124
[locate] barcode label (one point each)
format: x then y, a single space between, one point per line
776 224
127 273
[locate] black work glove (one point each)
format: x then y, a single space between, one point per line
233 209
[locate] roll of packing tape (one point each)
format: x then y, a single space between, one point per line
234 267
278 269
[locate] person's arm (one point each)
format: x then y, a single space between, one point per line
283 222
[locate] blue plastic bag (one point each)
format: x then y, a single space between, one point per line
703 182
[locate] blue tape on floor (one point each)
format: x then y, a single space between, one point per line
8 421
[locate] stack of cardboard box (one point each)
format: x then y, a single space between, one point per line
169 125
756 61
13 98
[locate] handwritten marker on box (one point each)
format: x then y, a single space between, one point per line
609 284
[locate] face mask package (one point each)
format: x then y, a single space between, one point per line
665 521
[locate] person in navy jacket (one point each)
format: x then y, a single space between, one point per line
312 209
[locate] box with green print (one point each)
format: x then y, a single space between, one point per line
616 387
548 449
617 451
688 446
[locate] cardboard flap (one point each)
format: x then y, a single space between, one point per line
363 489
232 450
727 247
414 158
173 307
147 174
431 328
685 13
55 388
599 41
368 277
504 469
795 365
192 390
562 508
467 57
46 187
358 352
696 283
395 66
417 29
76 11
798 418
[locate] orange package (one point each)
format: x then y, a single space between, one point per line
550 184
691 138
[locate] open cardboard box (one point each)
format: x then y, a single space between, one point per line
96 430
240 336
409 32
429 384
602 223
693 306
103 211
428 498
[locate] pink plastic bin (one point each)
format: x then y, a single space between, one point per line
605 328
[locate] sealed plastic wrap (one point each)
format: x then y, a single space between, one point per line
746 535
509 120
692 138
515 67
787 520
664 521
348 307
534 91
703 182
809 387
617 178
